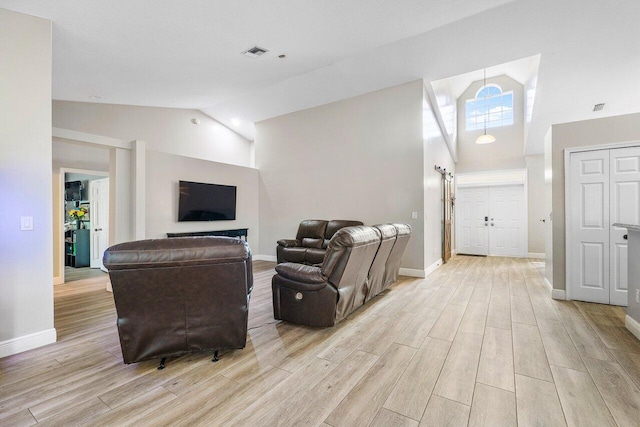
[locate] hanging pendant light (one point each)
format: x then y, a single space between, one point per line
484 138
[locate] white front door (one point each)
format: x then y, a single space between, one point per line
99 205
491 220
472 226
506 225
624 167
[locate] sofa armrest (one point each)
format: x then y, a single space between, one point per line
289 243
300 273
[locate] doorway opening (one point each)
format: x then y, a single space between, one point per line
85 223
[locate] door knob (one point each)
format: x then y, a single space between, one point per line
98 229
625 237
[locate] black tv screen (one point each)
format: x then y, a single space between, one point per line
206 202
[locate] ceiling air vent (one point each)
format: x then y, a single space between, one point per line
598 107
255 52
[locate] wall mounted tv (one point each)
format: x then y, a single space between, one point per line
206 202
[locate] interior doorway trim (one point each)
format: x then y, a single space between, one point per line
568 239
63 171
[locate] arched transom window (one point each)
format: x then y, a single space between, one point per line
491 106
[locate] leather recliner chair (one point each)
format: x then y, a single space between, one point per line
180 295
323 296
311 241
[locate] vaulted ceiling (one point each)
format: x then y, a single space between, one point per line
188 54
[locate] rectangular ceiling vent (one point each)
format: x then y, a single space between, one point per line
255 52
598 107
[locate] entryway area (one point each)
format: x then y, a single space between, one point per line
491 214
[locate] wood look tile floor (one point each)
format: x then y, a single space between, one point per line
478 342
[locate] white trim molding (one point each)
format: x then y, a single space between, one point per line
27 342
559 294
536 255
270 258
412 272
632 325
432 267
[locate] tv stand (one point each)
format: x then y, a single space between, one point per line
240 233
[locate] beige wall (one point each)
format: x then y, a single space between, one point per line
508 150
26 288
360 158
167 130
437 153
603 131
536 207
163 173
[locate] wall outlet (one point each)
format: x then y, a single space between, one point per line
638 296
26 223
414 215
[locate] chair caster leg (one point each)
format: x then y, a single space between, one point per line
215 356
161 365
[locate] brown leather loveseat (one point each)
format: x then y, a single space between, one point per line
360 262
311 241
180 295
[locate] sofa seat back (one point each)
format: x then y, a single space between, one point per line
346 265
180 295
388 235
395 257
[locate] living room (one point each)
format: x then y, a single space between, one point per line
344 134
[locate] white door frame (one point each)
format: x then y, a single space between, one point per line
508 180
63 172
568 239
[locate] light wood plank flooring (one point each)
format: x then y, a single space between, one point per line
478 342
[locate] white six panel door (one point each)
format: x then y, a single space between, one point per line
624 208
99 211
506 225
589 218
471 227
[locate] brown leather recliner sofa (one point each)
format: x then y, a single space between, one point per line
311 241
180 295
356 267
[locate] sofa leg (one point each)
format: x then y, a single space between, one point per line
161 365
215 356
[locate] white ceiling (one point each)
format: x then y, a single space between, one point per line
187 54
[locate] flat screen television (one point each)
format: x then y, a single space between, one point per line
206 202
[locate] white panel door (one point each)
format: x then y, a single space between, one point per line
589 226
472 226
99 205
624 208
507 220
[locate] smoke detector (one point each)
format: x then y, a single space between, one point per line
598 107
255 52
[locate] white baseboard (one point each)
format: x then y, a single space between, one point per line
412 272
536 255
58 280
632 325
27 342
432 267
555 293
271 258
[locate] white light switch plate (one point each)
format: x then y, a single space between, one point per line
26 223
414 215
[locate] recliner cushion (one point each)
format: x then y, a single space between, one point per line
336 224
315 256
312 228
294 254
309 242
